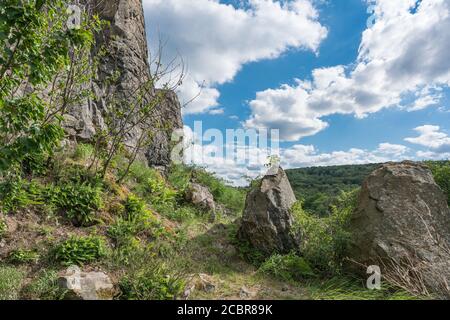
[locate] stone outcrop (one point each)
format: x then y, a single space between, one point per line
403 220
267 220
79 285
125 59
201 196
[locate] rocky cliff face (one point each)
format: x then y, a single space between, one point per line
126 61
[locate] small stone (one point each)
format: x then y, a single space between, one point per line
80 285
247 293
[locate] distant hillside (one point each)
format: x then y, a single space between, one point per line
318 186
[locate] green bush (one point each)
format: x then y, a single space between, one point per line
83 151
325 240
14 195
23 256
134 208
154 282
80 202
80 250
11 279
289 267
441 174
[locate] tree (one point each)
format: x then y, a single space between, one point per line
38 76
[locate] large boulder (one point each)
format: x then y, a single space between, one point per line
201 197
402 224
79 285
267 220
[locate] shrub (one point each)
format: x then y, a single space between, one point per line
80 250
134 208
83 151
23 256
287 267
11 279
14 195
325 240
441 174
79 201
152 283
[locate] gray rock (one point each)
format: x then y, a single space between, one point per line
403 222
267 220
79 285
127 55
201 196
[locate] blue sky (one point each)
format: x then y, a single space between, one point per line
341 114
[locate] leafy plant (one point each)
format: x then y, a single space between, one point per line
79 201
324 240
441 174
155 282
289 267
23 256
36 50
80 250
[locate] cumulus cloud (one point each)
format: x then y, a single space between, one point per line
216 40
215 159
403 62
434 139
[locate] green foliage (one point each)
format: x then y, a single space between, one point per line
44 287
23 256
245 250
35 48
155 282
11 279
83 151
134 208
289 267
135 222
344 288
3 227
325 240
232 198
441 174
80 201
16 193
80 250
318 187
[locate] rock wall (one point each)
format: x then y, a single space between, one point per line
127 57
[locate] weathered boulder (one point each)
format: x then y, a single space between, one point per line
125 59
201 197
402 224
79 285
267 220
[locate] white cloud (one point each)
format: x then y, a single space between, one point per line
215 160
431 137
216 40
403 59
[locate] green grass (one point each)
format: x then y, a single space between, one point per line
11 279
342 288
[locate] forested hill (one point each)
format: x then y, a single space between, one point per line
318 186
